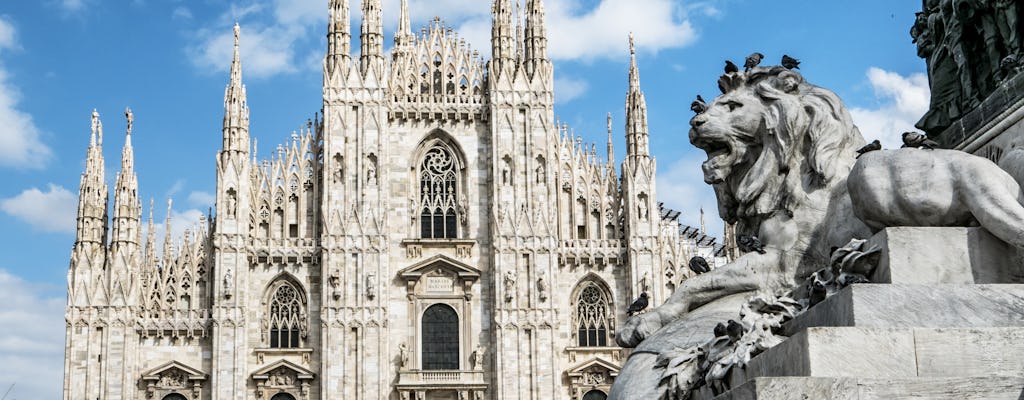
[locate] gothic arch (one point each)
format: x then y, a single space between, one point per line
438 182
593 312
285 321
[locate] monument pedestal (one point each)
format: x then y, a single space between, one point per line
927 328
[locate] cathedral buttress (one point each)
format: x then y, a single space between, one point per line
639 197
83 364
125 250
230 233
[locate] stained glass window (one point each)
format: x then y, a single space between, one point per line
286 312
438 195
592 320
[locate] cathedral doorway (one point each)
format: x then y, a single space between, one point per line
595 395
440 346
282 396
174 396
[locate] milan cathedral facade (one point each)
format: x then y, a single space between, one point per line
436 234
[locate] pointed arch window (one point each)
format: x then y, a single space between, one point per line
439 188
285 317
592 317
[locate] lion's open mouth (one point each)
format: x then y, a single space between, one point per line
717 167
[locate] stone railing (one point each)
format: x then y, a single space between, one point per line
591 251
447 377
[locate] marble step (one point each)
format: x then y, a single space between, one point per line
803 388
851 352
917 306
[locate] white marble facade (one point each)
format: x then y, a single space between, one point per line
433 233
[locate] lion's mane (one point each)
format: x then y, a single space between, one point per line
807 140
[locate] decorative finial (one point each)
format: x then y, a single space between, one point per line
238 31
632 44
130 117
609 123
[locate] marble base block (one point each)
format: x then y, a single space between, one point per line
945 256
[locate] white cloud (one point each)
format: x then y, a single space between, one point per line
569 89
902 100
176 187
20 146
274 37
31 354
72 5
681 187
201 199
51 211
181 13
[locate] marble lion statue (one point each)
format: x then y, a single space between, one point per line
780 154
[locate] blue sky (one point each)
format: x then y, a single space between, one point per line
168 61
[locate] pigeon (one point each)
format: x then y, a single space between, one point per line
639 305
699 265
790 62
918 141
730 67
699 106
748 243
752 61
720 330
734 330
874 145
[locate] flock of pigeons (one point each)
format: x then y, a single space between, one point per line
699 106
910 140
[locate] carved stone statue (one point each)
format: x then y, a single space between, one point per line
510 286
228 284
478 357
781 169
232 204
542 289
403 356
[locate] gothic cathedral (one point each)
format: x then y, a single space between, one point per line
436 234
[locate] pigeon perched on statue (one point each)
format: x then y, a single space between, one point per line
734 330
874 145
730 67
699 265
918 141
752 61
699 106
720 330
639 305
790 62
748 243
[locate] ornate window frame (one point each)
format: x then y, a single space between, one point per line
439 166
174 378
296 324
585 313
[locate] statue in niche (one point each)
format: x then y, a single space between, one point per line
232 204
542 289
641 208
510 286
478 357
371 286
339 168
371 172
403 355
228 283
335 282
463 212
541 175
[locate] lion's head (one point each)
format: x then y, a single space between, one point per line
771 139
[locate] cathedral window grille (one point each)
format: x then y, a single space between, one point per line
174 396
285 317
438 195
440 333
595 395
282 396
592 316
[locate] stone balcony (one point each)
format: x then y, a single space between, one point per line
417 384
